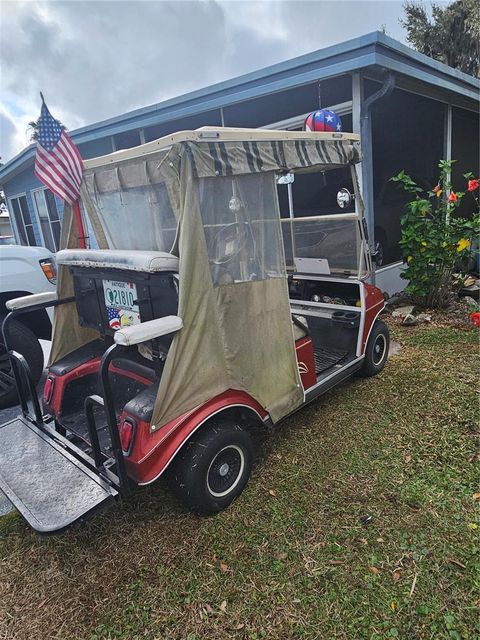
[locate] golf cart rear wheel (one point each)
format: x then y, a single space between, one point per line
376 353
213 468
25 342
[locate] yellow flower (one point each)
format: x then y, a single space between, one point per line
444 244
410 258
438 193
463 244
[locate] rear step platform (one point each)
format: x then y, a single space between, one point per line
48 485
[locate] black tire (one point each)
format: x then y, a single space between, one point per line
213 467
376 353
25 342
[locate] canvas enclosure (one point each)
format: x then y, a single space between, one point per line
215 205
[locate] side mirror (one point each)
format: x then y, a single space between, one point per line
344 198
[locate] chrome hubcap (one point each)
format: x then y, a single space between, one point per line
379 349
224 469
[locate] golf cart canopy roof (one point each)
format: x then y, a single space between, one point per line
232 151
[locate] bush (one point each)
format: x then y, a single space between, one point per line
435 241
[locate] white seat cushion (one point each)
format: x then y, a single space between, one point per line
146 261
138 333
29 301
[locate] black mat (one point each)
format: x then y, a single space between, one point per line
326 358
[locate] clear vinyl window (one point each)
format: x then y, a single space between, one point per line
139 217
241 222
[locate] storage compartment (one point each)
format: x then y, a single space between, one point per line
138 297
325 291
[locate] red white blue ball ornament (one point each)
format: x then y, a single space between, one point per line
323 120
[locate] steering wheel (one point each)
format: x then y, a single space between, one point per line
233 237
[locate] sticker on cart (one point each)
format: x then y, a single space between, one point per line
121 303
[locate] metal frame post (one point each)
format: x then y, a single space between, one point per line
107 358
367 149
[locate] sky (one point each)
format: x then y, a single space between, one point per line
94 60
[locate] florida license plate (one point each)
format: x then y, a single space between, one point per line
121 303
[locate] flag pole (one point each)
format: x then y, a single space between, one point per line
77 214
72 154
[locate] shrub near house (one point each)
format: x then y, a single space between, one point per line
436 243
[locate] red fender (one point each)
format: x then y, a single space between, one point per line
153 451
374 305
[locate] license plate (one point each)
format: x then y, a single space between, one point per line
120 300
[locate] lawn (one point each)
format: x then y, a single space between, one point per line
360 521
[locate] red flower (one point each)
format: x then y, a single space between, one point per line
472 185
475 318
453 197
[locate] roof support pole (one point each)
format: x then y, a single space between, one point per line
447 143
367 152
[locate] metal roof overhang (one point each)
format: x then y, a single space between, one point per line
372 53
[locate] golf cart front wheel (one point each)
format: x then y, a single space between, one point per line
376 352
213 468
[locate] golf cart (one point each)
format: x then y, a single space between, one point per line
202 314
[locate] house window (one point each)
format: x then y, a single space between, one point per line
22 220
48 217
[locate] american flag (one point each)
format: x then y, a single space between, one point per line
113 318
58 163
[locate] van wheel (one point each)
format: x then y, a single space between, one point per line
25 342
376 353
213 467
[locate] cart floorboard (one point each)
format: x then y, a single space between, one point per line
47 484
327 358
77 425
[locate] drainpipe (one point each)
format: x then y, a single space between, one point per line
367 161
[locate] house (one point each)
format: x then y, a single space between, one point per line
411 111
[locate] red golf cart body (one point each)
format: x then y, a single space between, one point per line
138 375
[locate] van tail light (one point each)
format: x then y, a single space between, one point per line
49 268
127 431
48 389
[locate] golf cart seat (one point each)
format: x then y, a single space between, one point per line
132 361
144 261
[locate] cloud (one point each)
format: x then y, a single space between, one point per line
95 60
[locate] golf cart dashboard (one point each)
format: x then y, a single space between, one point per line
322 292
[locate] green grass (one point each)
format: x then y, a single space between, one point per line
298 564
